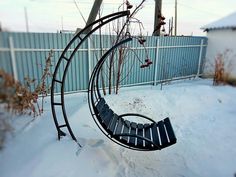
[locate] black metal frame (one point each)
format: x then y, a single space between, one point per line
94 96
100 22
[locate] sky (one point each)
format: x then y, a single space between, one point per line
54 15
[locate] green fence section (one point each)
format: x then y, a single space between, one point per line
24 55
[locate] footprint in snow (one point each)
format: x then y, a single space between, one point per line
87 126
96 143
92 143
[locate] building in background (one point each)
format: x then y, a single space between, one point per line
221 43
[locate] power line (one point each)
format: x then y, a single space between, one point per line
75 2
26 19
200 10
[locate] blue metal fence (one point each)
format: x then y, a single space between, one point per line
24 54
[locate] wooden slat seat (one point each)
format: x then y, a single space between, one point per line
150 136
112 125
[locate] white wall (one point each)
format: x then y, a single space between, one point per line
221 41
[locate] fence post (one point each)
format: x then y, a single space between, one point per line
89 57
156 61
13 58
200 59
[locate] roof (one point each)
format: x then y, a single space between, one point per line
228 22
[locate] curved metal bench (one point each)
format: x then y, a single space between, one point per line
156 135
144 137
138 136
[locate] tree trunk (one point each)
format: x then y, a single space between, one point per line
120 61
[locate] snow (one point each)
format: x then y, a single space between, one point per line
202 115
225 22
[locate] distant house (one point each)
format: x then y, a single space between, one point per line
221 43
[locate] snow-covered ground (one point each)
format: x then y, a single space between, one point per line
203 117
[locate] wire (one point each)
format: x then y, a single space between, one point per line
184 5
79 11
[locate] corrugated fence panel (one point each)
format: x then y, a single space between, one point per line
5 57
174 57
179 56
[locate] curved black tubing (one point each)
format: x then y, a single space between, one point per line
138 115
61 82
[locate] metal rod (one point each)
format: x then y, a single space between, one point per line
175 17
94 49
200 59
156 61
13 58
89 57
26 19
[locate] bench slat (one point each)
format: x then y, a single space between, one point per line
108 117
119 125
164 140
170 131
133 132
112 125
140 133
104 110
126 130
147 134
100 104
155 134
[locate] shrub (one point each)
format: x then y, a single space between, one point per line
223 68
220 75
18 97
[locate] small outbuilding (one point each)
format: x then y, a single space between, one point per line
221 36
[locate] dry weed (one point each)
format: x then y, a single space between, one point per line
18 97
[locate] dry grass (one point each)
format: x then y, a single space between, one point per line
221 75
18 97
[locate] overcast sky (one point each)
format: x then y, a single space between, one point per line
47 15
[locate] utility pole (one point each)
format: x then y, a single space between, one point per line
62 24
171 26
26 20
93 13
157 19
175 17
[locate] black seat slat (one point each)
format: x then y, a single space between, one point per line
155 134
119 125
112 125
126 130
140 133
108 117
164 140
170 131
100 104
133 132
104 110
147 134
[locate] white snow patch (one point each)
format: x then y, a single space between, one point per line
203 117
225 22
